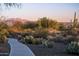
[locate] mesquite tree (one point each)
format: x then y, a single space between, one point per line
3 26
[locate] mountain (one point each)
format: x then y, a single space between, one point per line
11 21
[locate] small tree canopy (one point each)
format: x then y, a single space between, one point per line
9 5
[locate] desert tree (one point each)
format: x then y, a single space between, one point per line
3 25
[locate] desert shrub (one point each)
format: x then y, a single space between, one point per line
3 36
47 43
58 39
32 40
40 33
35 41
28 39
53 34
73 47
49 37
3 32
70 38
63 34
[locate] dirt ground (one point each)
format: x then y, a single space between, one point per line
57 50
4 49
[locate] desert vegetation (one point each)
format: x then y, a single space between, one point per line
44 32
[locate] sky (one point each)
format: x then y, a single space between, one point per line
33 11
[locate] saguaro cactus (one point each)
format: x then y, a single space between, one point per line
72 28
74 23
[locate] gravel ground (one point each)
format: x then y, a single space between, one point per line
57 50
4 49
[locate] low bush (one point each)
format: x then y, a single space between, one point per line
65 40
35 41
48 43
73 48
32 40
58 39
28 39
69 39
42 33
3 36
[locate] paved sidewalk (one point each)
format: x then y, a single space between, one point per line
19 49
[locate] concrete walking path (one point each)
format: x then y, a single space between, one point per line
19 49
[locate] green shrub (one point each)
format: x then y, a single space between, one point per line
41 33
36 41
3 36
58 39
32 40
47 44
73 47
28 39
70 39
